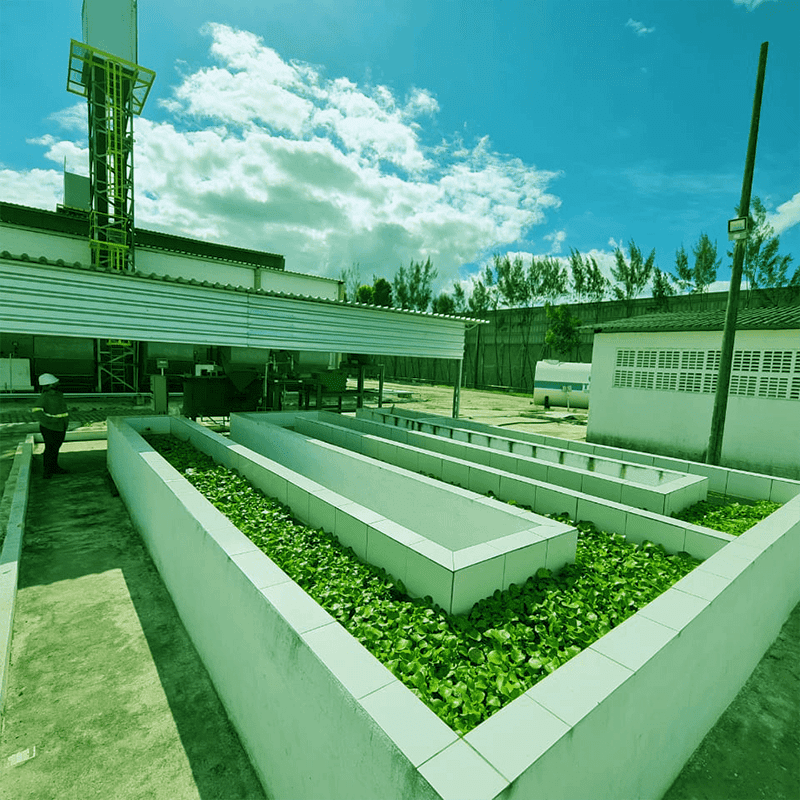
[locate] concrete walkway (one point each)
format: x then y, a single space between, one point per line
105 686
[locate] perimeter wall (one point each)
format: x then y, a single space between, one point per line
503 354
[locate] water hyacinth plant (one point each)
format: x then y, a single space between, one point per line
464 667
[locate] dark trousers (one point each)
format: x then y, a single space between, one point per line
52 442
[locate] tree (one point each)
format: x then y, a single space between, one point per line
351 278
553 281
562 333
631 275
706 263
381 292
510 281
683 271
365 294
413 287
459 298
698 278
597 285
588 282
578 270
479 300
662 289
763 267
444 304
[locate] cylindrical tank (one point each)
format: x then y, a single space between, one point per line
562 383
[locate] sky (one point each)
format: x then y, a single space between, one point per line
425 129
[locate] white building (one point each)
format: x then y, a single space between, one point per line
654 379
185 300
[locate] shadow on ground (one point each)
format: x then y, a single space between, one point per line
104 680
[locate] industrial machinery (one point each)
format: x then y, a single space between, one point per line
103 69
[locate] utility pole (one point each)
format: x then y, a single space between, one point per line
726 355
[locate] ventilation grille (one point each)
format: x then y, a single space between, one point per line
773 374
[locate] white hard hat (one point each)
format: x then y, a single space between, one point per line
47 379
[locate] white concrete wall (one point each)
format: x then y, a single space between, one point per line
70 248
183 265
443 515
656 490
762 434
542 497
652 688
317 714
321 718
37 243
737 483
298 283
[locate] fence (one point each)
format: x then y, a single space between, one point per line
503 354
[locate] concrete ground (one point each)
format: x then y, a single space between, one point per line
105 684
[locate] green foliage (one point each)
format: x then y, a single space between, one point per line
727 514
631 275
459 299
597 285
548 278
706 263
578 271
509 284
351 277
444 304
662 289
764 268
479 301
381 292
463 667
510 281
365 295
413 287
698 278
562 334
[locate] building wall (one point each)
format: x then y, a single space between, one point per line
183 265
655 392
53 245
504 352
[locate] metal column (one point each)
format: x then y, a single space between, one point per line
457 389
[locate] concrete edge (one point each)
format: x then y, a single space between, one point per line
76 436
16 495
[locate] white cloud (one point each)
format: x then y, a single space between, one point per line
69 155
786 216
73 118
750 5
263 153
273 155
40 188
557 238
639 27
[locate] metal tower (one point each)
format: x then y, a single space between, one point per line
116 90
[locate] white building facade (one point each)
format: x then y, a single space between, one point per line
654 380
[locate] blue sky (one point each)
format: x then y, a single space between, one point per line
453 130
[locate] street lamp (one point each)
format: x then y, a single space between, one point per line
738 228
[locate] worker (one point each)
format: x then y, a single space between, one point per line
52 415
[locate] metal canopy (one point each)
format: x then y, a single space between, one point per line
45 299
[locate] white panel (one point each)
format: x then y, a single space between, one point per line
110 25
43 299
